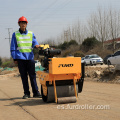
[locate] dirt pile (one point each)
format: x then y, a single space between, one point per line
102 74
99 73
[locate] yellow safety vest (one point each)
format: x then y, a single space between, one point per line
24 42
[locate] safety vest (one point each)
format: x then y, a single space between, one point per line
24 42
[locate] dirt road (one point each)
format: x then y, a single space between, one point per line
98 101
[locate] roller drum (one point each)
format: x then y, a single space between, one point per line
62 91
64 100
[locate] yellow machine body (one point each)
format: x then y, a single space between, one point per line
44 46
60 69
65 65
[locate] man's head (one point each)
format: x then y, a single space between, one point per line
22 22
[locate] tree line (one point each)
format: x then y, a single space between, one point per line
103 24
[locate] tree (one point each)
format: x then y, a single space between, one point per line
66 44
114 26
72 42
89 43
63 46
98 25
105 25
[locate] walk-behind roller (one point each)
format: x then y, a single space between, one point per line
62 79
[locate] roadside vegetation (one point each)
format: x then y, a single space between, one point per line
85 37
5 62
88 46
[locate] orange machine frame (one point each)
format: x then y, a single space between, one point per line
61 69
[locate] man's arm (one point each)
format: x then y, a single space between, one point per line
13 48
34 42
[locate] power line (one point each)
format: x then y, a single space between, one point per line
58 8
47 8
52 4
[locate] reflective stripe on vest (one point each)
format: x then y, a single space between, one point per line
18 42
24 42
19 48
24 37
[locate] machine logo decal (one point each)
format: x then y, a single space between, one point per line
65 65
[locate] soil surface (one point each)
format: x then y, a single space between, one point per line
99 100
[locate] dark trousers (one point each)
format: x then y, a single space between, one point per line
27 67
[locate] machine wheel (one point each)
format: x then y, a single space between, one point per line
43 96
91 63
109 63
85 64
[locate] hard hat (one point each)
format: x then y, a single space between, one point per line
22 19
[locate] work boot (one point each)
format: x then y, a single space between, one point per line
26 96
37 95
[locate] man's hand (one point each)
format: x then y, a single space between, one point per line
37 46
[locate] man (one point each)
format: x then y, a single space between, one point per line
21 51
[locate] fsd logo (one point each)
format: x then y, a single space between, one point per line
65 65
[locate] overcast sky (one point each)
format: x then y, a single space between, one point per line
46 18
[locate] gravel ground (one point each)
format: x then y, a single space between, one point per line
98 101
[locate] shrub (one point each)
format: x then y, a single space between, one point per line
72 42
66 53
63 46
102 52
89 43
66 44
79 54
8 64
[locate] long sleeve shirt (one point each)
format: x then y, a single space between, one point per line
16 54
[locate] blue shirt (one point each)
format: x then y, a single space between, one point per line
16 54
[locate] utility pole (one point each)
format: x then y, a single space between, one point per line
66 36
9 35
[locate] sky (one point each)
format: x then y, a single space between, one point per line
46 18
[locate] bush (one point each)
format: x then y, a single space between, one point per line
72 42
66 53
63 46
102 52
8 64
79 54
66 45
90 43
